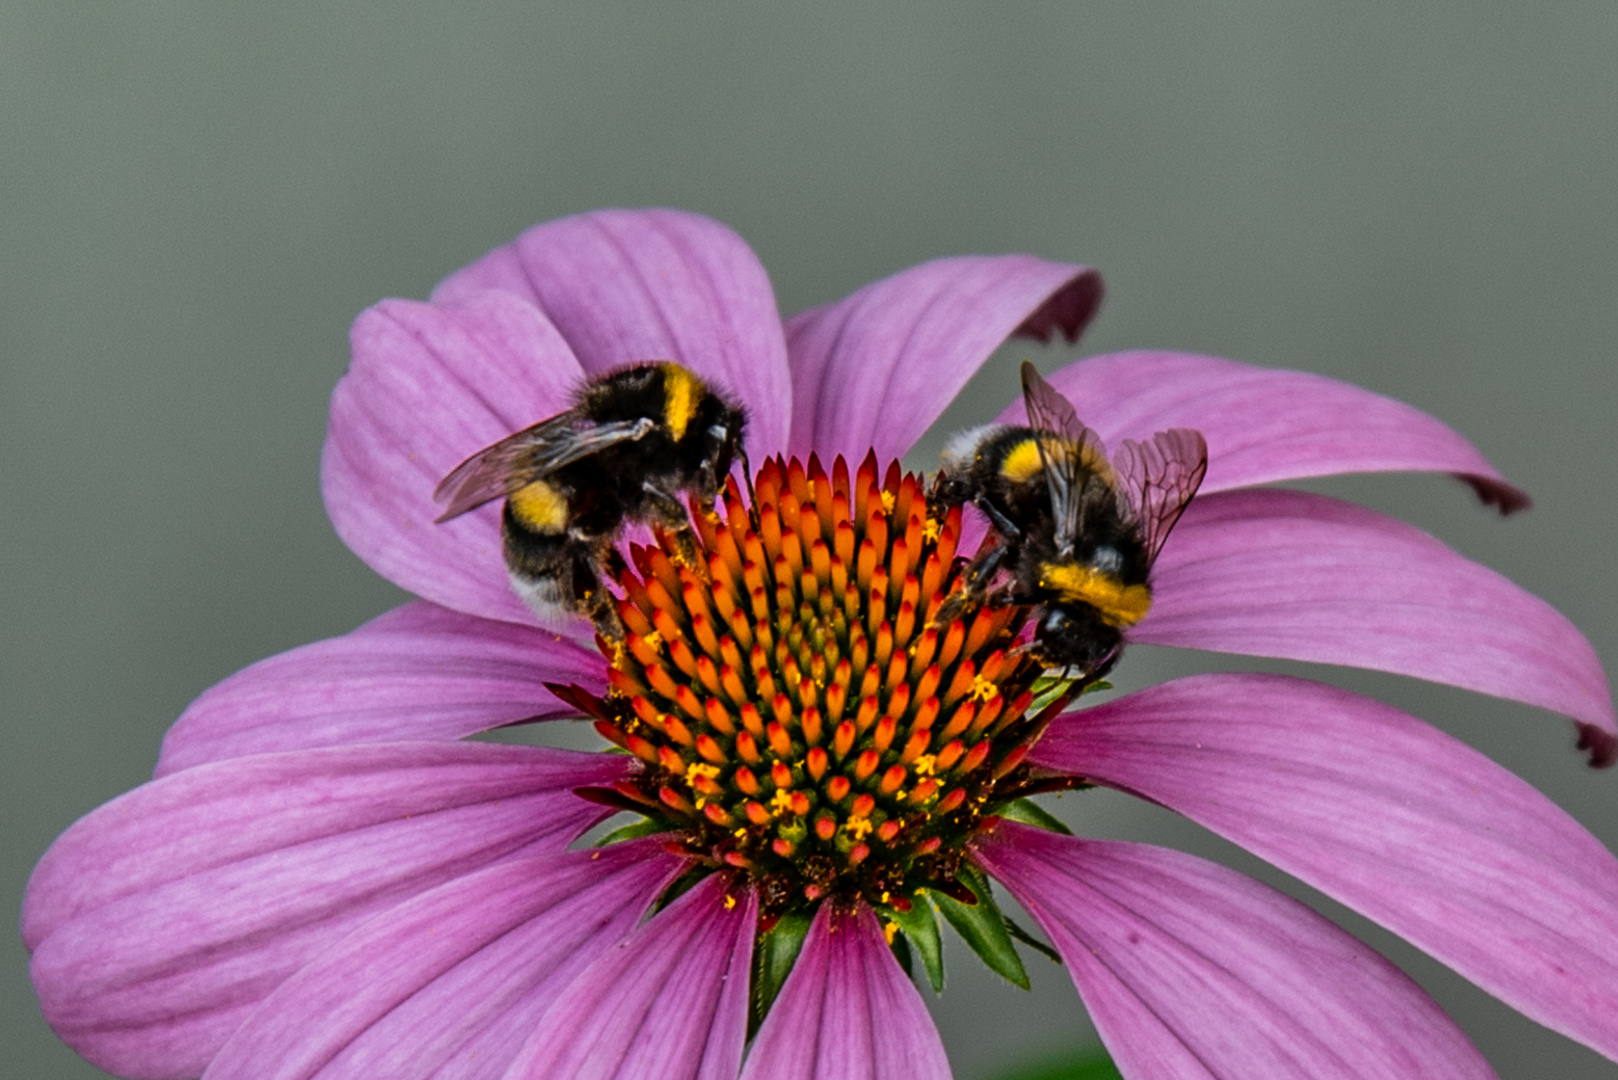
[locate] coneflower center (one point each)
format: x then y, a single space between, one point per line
800 713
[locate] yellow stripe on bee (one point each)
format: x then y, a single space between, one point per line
682 391
1021 463
1119 604
539 507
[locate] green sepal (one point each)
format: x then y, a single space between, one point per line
983 927
777 950
902 953
635 830
680 886
1033 942
920 926
1046 689
1031 813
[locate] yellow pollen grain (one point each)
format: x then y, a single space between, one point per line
730 902
929 531
859 828
700 771
780 803
982 689
890 928
652 638
924 764
889 500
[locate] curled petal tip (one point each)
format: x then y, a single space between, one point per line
1067 311
1602 745
1499 494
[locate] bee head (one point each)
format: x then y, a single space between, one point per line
1076 635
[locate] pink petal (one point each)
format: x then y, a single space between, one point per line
1288 574
420 672
427 387
1191 970
1264 424
1390 816
847 1012
452 982
159 921
877 368
629 285
669 1002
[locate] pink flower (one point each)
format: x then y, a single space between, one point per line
326 879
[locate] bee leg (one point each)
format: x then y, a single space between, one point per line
666 510
1002 524
1029 647
686 552
603 614
670 515
612 560
591 597
969 585
985 566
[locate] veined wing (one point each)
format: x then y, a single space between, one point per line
532 453
1065 457
1158 478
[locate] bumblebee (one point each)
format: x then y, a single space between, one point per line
1077 533
635 440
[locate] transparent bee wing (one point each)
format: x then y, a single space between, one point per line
1051 413
534 452
1157 478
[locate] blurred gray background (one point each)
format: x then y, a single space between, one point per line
196 199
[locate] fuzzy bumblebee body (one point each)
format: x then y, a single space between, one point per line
1076 533
637 442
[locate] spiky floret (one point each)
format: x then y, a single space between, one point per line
800 714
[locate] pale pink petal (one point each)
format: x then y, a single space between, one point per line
1304 577
847 1012
631 285
1264 424
877 368
159 921
1386 814
452 982
667 1003
420 672
1192 971
428 386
